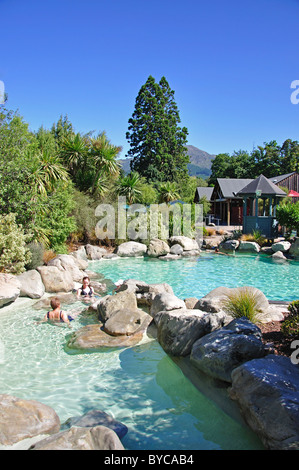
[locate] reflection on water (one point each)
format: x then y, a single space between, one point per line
141 387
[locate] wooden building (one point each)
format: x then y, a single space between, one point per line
261 196
226 205
290 181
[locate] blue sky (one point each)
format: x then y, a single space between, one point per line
231 64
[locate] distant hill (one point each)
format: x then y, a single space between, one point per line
200 162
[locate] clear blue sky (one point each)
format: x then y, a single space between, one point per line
230 63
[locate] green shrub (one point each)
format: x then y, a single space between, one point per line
242 303
290 326
37 253
14 254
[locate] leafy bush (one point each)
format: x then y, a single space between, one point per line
290 326
287 215
242 303
13 252
37 253
85 220
255 236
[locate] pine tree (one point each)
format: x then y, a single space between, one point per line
157 143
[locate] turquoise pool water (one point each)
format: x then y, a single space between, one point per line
140 386
196 277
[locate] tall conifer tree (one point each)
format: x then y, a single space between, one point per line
157 143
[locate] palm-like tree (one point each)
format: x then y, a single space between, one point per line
129 186
103 158
74 152
168 192
47 169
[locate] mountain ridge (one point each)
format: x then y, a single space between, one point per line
200 162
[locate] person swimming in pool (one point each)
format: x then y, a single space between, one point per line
57 315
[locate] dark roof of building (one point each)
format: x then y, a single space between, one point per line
262 184
204 191
231 186
278 179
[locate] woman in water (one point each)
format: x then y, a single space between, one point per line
85 291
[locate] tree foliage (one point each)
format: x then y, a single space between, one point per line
287 215
157 143
269 160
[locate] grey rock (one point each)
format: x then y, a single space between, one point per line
221 351
157 248
31 284
267 393
79 438
177 330
176 249
166 301
131 249
110 304
281 246
10 288
56 280
21 419
127 322
98 418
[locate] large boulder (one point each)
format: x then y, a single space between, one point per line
177 330
186 243
252 247
56 280
10 288
294 250
214 301
267 393
279 257
22 419
145 293
80 254
93 338
110 304
31 284
68 263
176 249
127 322
281 246
157 248
80 438
229 245
98 418
133 285
221 351
94 252
166 301
131 249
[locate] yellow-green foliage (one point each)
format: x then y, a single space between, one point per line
13 252
242 303
290 326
